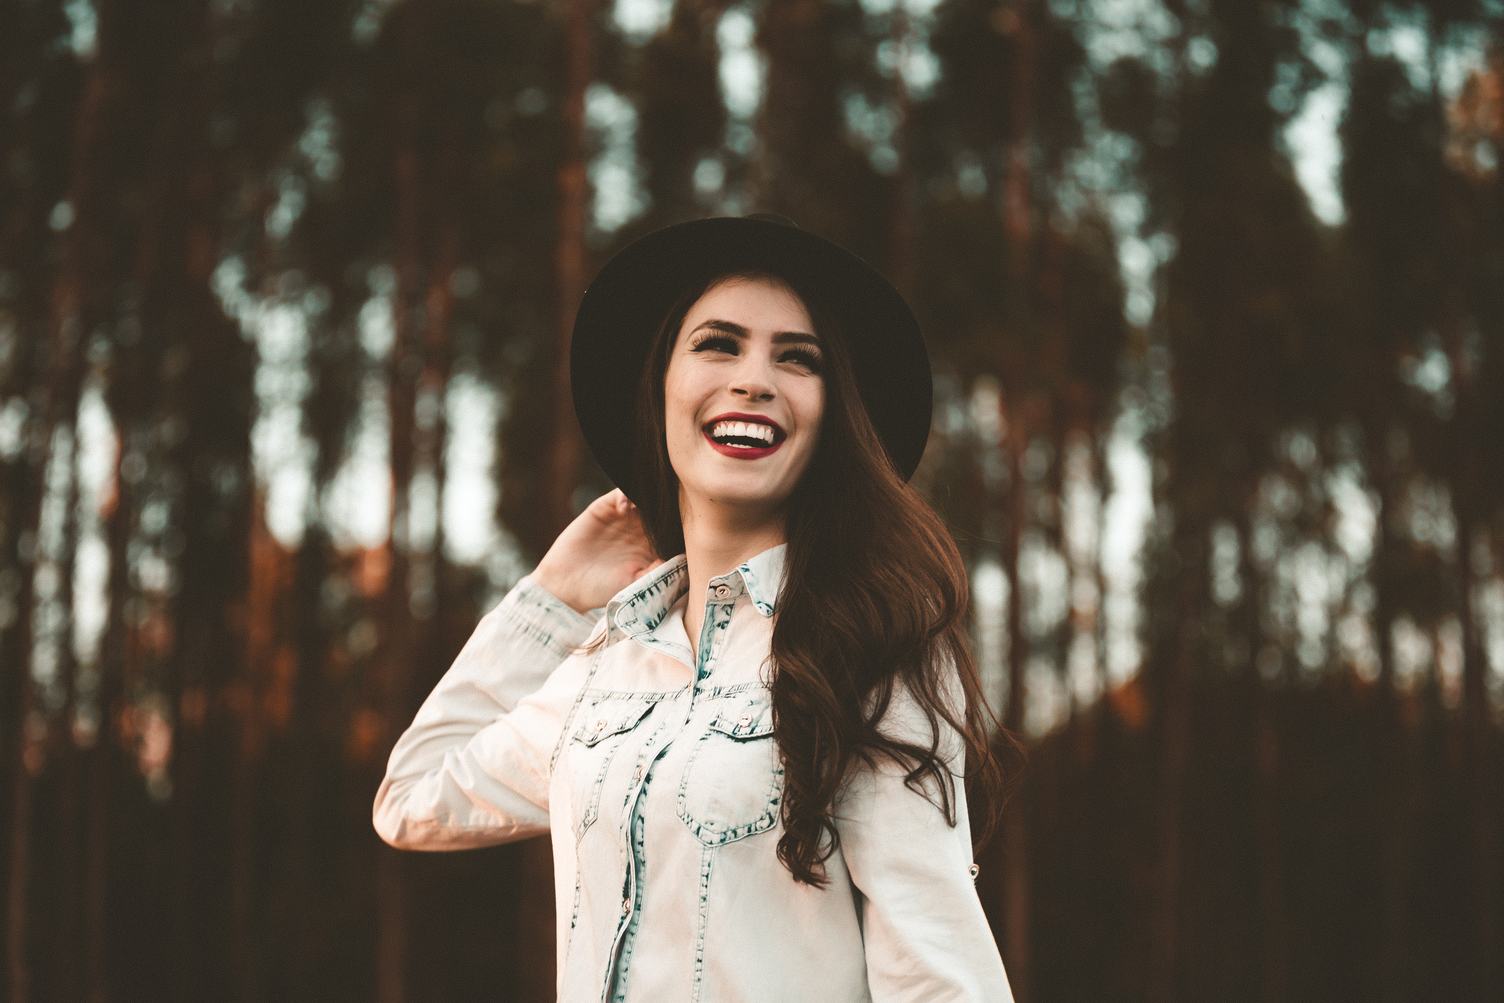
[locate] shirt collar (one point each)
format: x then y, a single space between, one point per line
642 605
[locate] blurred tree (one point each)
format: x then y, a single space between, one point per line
40 308
1408 238
675 85
1017 286
819 64
1242 315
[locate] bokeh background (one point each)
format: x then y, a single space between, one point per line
1214 291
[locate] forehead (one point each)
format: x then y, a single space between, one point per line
761 304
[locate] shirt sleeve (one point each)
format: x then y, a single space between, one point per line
473 767
923 929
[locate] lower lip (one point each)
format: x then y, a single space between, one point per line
741 452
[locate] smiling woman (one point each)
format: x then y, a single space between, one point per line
753 771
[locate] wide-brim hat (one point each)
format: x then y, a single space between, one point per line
633 292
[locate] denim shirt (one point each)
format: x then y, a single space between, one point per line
652 765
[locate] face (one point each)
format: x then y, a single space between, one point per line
746 346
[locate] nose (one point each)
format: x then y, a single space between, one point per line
754 389
750 381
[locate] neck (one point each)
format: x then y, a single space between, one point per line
717 538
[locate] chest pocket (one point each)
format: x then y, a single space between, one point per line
733 782
601 728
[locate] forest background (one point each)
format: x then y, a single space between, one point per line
1215 295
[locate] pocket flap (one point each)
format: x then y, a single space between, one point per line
602 720
746 718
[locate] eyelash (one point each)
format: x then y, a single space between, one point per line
810 359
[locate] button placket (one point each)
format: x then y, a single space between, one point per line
717 615
626 924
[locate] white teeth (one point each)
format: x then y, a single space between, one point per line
745 429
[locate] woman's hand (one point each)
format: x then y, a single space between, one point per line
600 553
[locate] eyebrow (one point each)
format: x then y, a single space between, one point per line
779 337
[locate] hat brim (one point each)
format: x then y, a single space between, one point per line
621 310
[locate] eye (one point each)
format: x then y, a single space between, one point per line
804 356
712 341
810 360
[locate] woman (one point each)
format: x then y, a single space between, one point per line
750 772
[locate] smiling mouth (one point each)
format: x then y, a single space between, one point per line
743 447
747 442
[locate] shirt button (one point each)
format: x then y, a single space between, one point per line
744 720
626 906
637 774
722 591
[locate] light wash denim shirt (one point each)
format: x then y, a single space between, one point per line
652 766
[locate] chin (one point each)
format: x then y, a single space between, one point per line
731 496
753 496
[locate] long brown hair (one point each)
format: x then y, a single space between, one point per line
875 594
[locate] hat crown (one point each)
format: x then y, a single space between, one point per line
772 217
623 308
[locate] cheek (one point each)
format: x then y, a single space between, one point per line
679 380
678 414
675 400
812 411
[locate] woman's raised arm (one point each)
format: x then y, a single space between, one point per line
473 768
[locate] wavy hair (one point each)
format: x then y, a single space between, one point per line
875 597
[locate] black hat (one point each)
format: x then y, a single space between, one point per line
621 310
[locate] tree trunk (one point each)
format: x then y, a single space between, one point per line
65 756
1101 478
1272 920
396 651
1175 739
901 232
102 759
1394 818
1477 730
438 361
18 820
1014 832
570 263
308 735
67 321
1016 221
1479 758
